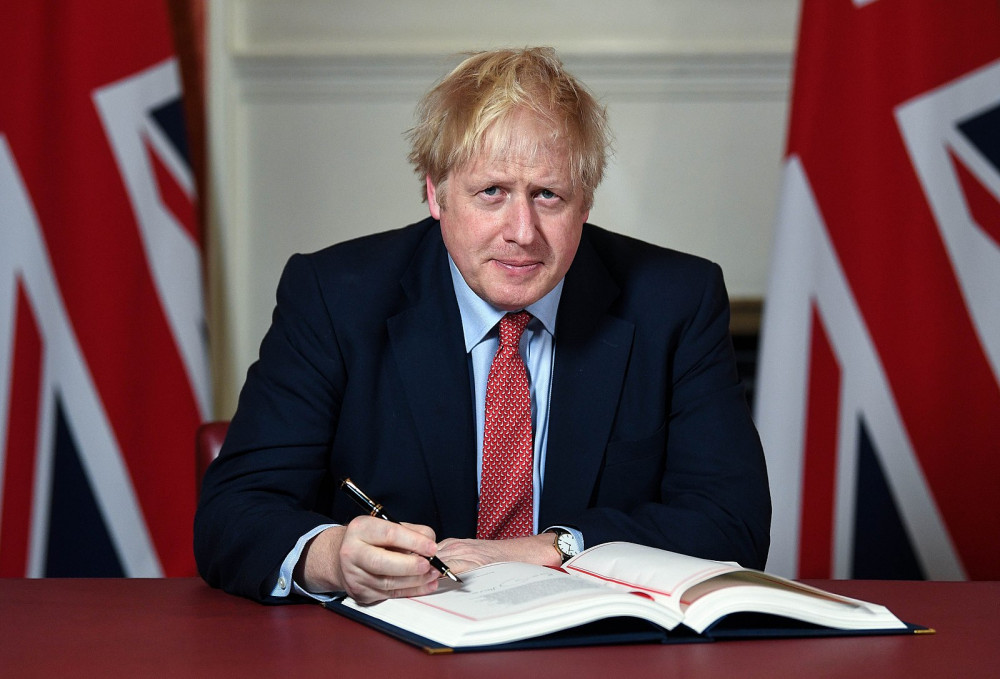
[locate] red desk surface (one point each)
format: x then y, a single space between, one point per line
183 628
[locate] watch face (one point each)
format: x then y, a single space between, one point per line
567 545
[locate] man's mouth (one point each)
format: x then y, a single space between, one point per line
517 266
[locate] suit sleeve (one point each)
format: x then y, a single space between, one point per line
703 490
260 495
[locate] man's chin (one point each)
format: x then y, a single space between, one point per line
514 299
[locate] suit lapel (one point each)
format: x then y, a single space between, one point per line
429 350
592 350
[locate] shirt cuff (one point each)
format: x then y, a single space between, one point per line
577 536
286 584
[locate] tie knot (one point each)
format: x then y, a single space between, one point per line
512 326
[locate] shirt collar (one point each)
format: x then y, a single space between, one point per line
479 316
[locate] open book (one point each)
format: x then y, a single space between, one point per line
641 594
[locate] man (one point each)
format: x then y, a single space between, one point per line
612 412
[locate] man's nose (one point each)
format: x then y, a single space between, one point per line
522 220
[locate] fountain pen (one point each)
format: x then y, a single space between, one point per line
376 510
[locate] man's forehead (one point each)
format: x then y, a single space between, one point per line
542 165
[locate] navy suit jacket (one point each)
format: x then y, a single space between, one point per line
364 373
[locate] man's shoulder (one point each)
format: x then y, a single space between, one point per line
628 257
367 270
381 249
654 287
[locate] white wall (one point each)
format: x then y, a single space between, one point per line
309 102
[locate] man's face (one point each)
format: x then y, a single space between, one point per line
512 225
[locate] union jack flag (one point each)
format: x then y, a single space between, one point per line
103 362
879 386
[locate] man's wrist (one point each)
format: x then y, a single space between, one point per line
284 581
315 570
548 555
567 542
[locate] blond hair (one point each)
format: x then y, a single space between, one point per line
475 108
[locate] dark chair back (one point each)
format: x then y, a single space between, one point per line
208 443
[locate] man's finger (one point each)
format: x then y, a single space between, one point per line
389 535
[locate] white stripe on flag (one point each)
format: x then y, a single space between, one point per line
174 259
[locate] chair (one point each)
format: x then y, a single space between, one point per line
208 443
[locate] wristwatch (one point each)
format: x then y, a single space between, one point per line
565 543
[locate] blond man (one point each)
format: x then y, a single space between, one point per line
633 423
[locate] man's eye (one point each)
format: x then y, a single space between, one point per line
491 191
546 194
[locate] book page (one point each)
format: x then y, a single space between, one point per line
490 592
662 575
507 602
761 592
702 591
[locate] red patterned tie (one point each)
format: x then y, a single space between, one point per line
505 498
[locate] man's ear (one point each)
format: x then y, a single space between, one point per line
432 199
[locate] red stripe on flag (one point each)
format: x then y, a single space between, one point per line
984 207
819 468
174 198
22 441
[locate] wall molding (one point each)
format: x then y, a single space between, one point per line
625 76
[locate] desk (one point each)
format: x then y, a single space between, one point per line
183 628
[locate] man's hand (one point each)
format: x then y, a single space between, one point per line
463 555
371 559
